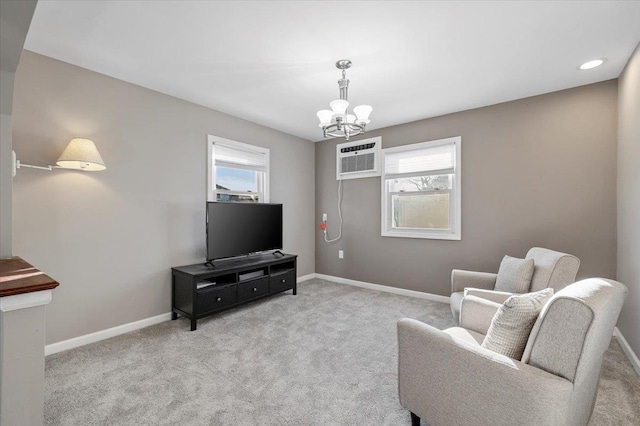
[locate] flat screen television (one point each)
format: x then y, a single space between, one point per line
235 229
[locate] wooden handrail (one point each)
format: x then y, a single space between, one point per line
18 277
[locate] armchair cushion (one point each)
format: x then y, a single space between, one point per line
468 336
462 279
511 326
514 275
493 295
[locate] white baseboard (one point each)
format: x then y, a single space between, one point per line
121 329
627 350
387 289
633 358
104 334
306 277
137 325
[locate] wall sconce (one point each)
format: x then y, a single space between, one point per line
80 154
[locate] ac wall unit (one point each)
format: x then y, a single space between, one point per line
360 159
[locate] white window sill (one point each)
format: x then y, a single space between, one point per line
423 234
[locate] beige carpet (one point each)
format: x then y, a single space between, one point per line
327 356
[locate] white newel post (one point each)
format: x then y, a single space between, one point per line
24 295
22 340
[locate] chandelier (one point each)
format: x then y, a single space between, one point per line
337 121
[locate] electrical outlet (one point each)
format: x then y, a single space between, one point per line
324 217
340 254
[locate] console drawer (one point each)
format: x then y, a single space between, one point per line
282 281
213 299
251 289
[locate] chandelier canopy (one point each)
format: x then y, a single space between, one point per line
337 121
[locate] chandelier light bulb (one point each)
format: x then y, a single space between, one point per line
351 118
339 107
325 116
362 112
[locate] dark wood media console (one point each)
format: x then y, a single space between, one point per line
198 291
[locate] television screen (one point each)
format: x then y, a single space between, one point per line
234 229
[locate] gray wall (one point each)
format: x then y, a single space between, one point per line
15 18
6 84
539 171
21 331
629 198
110 238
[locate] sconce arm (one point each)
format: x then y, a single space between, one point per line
20 165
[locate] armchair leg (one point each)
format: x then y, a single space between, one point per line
415 420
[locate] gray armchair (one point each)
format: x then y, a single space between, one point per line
447 378
551 269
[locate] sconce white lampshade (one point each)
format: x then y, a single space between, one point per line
81 154
325 116
362 112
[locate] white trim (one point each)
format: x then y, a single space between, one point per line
211 191
25 300
627 350
455 210
386 289
306 277
137 325
104 334
116 331
211 195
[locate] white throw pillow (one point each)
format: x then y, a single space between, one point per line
511 325
514 275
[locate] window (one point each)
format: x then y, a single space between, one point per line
237 171
421 190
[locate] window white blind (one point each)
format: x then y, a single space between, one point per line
231 156
421 161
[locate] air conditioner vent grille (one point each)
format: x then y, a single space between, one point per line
358 163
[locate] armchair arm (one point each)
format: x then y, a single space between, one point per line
476 313
449 381
493 295
461 279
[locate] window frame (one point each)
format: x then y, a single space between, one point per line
262 176
455 195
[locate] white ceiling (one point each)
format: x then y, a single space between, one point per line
272 62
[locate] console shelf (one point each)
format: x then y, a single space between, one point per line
198 291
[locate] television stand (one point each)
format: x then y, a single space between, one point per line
209 264
198 291
278 252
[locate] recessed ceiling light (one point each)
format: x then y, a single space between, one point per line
592 64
